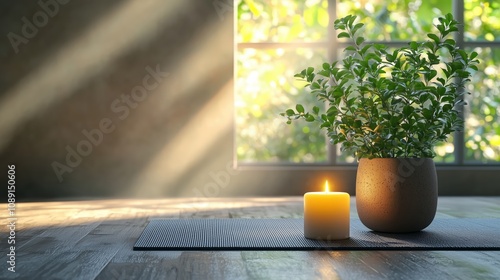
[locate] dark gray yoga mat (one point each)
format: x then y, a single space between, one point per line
287 234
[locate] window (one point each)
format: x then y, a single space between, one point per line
276 39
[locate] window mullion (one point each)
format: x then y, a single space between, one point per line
332 56
459 142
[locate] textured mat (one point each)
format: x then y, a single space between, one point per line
287 234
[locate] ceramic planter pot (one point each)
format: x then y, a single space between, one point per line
396 194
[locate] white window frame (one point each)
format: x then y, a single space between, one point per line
457 178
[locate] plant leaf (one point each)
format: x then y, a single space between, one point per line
360 40
343 35
310 118
433 37
316 109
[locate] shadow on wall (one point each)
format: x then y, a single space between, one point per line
115 98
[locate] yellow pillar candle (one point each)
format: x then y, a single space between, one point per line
326 215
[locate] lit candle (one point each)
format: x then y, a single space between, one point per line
326 215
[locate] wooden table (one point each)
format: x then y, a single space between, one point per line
93 239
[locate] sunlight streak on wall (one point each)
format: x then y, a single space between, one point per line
200 133
180 154
76 63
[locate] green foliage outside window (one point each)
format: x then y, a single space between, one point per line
265 85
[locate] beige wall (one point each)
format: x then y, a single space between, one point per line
74 71
67 69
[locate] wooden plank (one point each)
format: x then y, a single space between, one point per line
94 251
178 265
288 265
94 239
384 265
49 247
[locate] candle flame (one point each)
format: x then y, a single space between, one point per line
327 188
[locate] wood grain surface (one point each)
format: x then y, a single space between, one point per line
93 240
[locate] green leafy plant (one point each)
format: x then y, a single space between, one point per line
383 103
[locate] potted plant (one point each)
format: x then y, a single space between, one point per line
390 108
